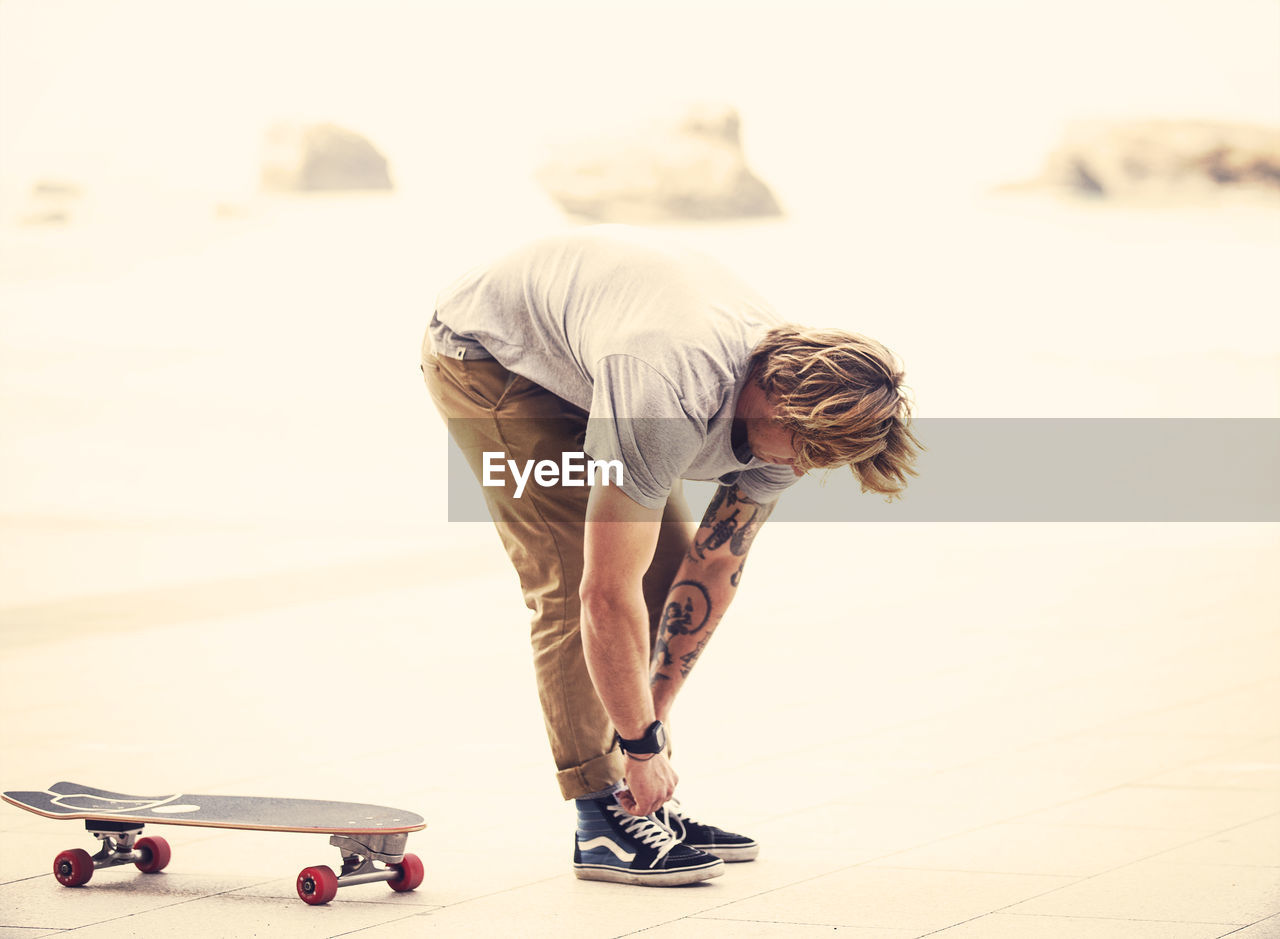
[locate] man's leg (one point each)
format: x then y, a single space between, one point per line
490 409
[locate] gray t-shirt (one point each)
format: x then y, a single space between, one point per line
652 342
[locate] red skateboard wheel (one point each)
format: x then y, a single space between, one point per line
155 854
411 874
317 885
73 868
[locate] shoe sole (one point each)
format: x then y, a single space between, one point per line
733 854
659 878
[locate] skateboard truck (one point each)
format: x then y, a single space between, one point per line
361 860
360 857
120 845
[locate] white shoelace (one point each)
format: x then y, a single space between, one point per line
647 830
674 817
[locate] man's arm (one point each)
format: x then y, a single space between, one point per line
619 545
702 590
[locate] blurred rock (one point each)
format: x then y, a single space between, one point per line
51 202
321 157
1165 159
692 167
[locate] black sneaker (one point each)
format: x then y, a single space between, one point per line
614 845
707 838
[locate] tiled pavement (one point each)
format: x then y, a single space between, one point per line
222 569
963 731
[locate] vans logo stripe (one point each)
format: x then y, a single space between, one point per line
610 844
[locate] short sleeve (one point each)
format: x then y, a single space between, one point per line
765 483
638 419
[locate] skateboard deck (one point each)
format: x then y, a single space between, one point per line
72 800
366 834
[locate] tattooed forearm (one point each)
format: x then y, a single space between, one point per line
704 587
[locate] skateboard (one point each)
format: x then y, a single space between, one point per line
370 837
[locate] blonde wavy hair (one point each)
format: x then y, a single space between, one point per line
841 395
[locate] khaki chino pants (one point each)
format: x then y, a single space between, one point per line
491 409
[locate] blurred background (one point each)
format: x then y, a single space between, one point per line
222 227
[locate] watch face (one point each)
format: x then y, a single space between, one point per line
659 736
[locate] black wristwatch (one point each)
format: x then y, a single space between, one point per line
653 741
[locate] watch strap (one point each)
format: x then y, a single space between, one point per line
654 741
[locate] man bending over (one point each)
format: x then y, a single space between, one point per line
661 364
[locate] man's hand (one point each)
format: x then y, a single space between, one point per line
651 781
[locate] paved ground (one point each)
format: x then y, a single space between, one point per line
969 731
223 568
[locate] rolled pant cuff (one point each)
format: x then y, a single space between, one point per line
592 776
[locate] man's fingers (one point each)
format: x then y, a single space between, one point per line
652 786
629 804
645 808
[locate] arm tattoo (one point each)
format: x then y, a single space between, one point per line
689 658
733 521
661 653
687 612
688 609
724 523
